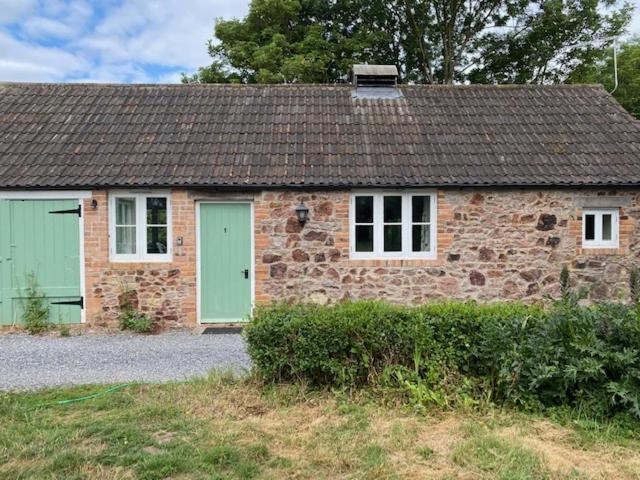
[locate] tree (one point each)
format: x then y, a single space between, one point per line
430 41
602 71
548 40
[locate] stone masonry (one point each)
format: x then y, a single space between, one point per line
492 245
500 244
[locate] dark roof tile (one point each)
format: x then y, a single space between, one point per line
264 135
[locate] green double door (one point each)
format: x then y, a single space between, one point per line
225 262
40 242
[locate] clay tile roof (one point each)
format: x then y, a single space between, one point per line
81 136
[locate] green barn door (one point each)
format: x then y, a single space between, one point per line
225 262
43 245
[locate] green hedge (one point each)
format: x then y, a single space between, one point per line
565 355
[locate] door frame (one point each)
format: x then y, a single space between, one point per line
80 196
252 270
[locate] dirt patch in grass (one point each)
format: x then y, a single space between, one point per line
225 428
561 456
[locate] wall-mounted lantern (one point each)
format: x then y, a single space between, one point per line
94 204
302 212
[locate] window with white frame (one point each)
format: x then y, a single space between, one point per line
393 225
600 228
140 227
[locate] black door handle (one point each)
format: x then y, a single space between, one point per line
245 272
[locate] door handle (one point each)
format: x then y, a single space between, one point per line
245 273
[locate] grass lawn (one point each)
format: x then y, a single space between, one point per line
222 428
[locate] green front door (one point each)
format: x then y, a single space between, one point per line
44 246
225 262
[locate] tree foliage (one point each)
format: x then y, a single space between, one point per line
602 71
430 41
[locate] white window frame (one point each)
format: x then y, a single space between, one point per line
141 228
378 252
598 242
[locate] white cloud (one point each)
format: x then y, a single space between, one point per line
22 61
13 10
169 32
127 72
110 41
46 27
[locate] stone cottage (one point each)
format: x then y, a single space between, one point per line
199 201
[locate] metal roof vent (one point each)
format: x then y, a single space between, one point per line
375 75
375 81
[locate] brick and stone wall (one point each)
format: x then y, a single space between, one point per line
502 244
164 291
492 245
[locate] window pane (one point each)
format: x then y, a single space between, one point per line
606 226
590 227
420 207
420 238
364 209
364 238
156 211
156 239
125 211
393 238
392 210
125 240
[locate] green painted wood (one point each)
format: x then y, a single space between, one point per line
225 253
34 241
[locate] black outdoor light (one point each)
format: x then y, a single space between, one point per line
302 212
94 204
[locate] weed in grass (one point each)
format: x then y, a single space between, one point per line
224 456
425 453
64 330
489 454
373 455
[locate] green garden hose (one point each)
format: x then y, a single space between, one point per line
88 397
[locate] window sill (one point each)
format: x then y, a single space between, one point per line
602 251
116 261
394 262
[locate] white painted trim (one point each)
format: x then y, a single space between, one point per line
615 228
83 282
406 254
141 227
198 255
44 194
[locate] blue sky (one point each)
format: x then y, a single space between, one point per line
122 41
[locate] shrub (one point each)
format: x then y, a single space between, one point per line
35 314
566 355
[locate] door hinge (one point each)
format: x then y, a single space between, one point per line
79 303
77 211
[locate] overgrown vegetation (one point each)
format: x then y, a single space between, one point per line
130 318
225 428
35 308
634 286
453 354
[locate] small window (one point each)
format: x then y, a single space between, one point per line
140 227
392 225
600 228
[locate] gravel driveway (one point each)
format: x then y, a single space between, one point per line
28 362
